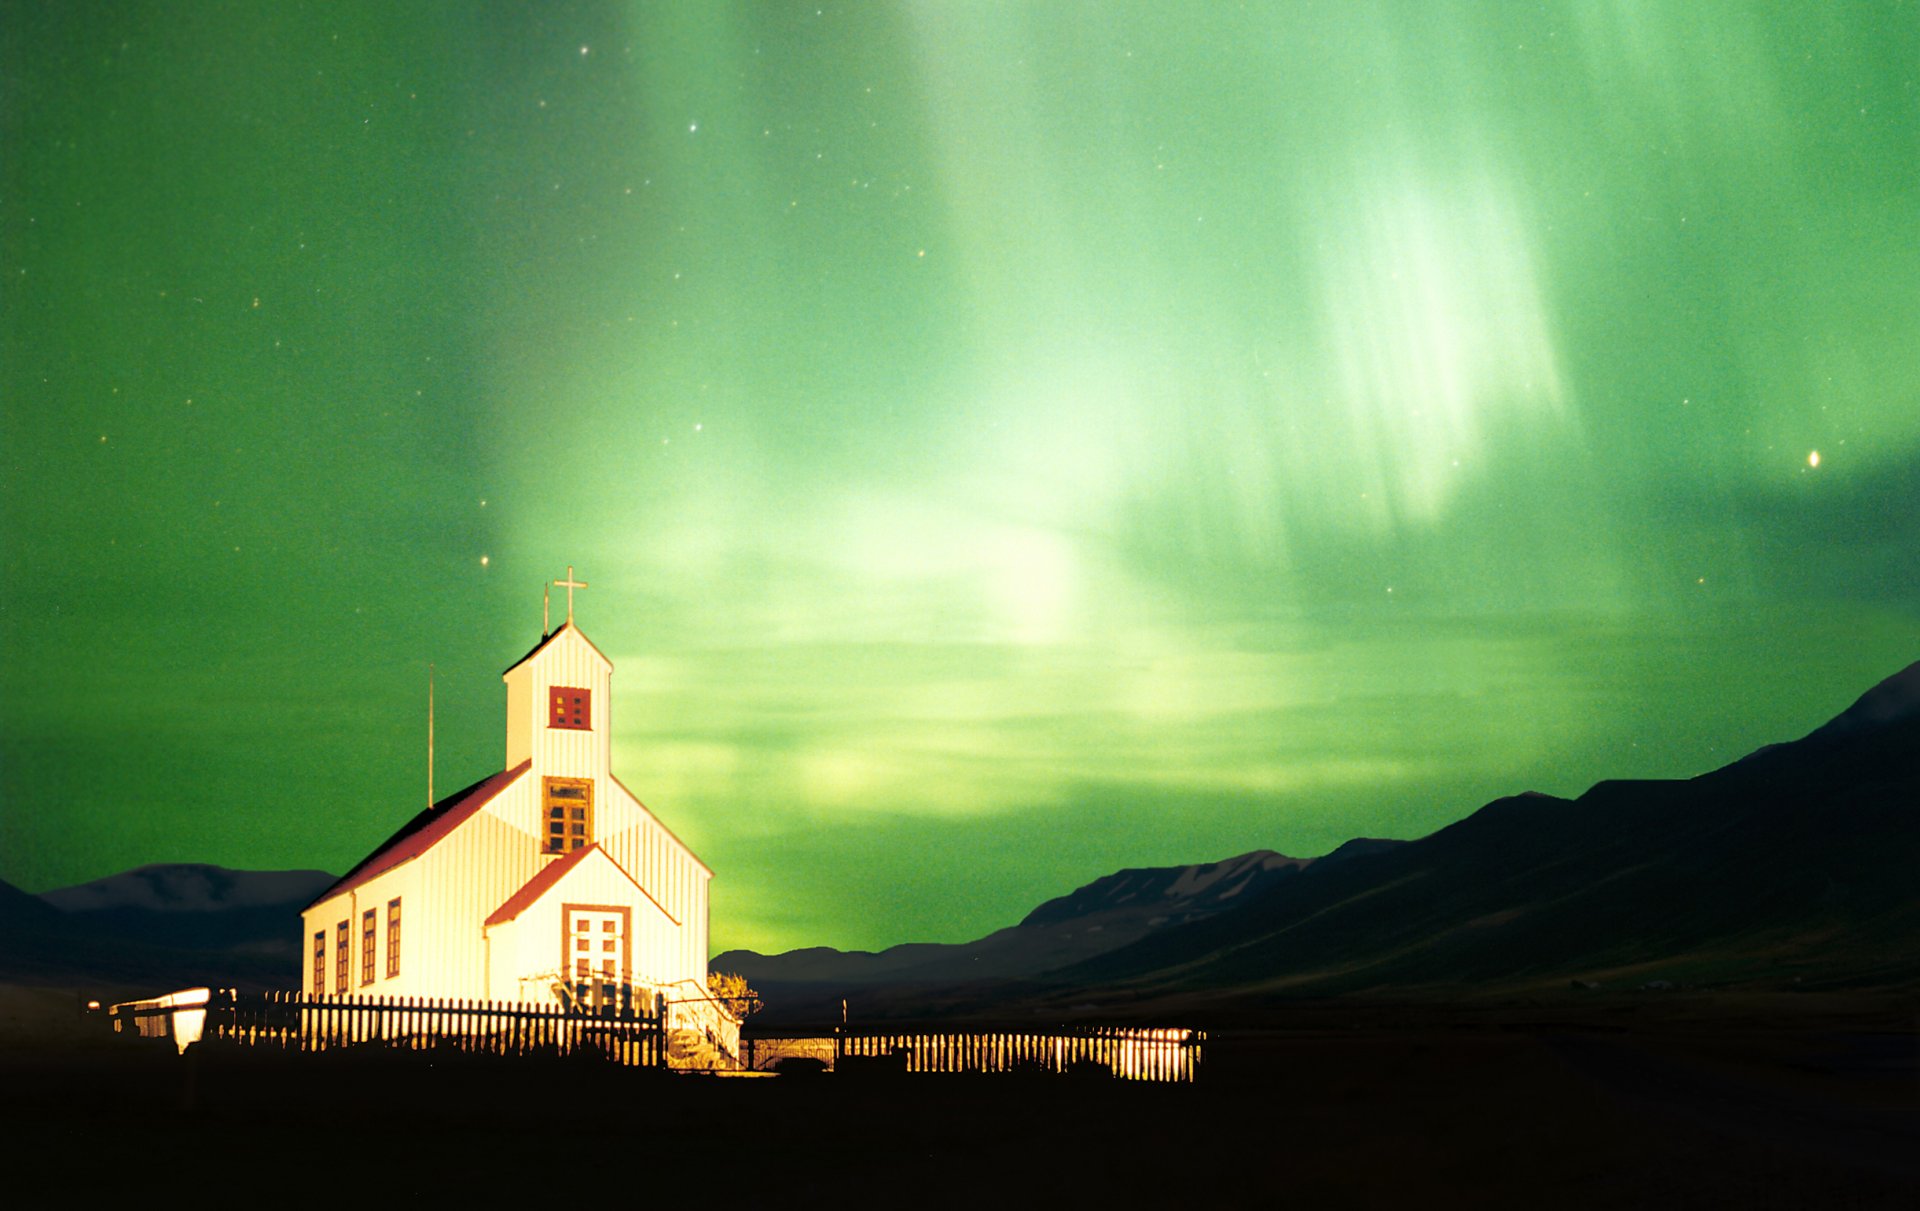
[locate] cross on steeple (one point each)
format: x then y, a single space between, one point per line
569 584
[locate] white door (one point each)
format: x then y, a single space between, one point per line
597 953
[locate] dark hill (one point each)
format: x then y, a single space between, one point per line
1793 867
1104 915
175 925
1790 869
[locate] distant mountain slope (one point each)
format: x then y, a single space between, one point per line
1792 868
177 925
1111 912
1893 700
190 887
22 912
1798 861
1167 893
1107 913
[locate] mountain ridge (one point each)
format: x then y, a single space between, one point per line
179 924
187 887
1789 867
1103 914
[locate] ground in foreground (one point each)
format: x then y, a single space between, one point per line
1359 1110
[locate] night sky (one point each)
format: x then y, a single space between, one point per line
1005 442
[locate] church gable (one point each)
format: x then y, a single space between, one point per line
553 837
589 872
559 815
640 826
581 921
559 715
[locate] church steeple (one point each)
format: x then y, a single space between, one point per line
558 707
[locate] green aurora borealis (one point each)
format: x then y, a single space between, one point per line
1006 442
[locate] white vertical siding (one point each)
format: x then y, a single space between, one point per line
671 875
402 881
448 892
473 871
520 692
531 944
569 660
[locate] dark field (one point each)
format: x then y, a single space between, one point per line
1767 1105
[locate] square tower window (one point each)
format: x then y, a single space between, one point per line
567 808
570 708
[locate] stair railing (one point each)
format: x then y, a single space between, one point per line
706 1015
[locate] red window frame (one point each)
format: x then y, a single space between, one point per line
570 707
393 937
342 955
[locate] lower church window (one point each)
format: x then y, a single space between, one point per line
341 954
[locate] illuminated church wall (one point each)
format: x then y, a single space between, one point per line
496 887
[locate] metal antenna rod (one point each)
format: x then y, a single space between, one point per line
429 734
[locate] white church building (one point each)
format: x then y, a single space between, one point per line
547 882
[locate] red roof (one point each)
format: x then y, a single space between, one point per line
551 874
425 830
539 885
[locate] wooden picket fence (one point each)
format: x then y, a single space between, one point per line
1171 1054
302 1021
621 1031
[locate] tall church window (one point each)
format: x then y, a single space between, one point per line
570 708
342 953
568 811
319 962
367 919
393 937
